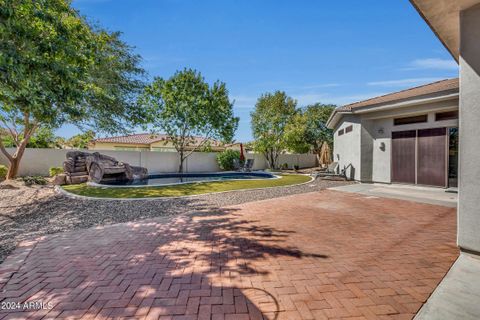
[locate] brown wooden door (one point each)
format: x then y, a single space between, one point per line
432 157
403 156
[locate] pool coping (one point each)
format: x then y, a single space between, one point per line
64 192
98 185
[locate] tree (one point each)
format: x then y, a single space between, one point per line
60 143
56 68
44 137
296 132
271 115
308 129
80 141
186 107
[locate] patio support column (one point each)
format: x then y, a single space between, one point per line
469 131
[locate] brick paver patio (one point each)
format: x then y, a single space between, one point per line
322 255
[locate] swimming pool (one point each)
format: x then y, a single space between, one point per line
179 178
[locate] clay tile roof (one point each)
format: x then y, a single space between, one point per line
427 89
141 138
145 138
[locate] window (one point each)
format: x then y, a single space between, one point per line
348 129
448 115
410 120
340 132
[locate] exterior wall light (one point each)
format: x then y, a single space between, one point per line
382 146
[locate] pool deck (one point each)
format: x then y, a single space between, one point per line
458 295
318 255
430 195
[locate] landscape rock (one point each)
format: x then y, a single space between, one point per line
30 212
76 179
83 166
60 179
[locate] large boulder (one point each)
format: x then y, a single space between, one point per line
60 179
139 173
82 166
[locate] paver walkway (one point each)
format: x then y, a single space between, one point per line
322 255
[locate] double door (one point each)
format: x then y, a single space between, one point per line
420 157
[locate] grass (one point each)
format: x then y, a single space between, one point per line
184 189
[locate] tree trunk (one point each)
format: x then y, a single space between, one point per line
318 158
182 159
273 159
267 157
15 159
13 168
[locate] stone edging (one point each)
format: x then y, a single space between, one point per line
64 192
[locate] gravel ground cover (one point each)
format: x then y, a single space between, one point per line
30 212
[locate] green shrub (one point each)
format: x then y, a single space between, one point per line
225 159
3 172
55 170
285 166
28 180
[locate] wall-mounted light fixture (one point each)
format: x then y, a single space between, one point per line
382 146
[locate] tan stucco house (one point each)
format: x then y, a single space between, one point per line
408 137
153 142
456 23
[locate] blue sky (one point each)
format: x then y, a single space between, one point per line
317 51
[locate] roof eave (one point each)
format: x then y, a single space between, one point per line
405 103
453 53
443 18
337 115
123 142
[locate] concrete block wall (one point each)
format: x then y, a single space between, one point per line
39 161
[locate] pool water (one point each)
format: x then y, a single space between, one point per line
176 178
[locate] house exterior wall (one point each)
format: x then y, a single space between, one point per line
160 146
132 146
368 149
382 153
346 148
118 146
166 145
469 132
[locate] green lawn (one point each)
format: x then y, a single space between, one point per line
184 189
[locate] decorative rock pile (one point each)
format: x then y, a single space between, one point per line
75 167
83 166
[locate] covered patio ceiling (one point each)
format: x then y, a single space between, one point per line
443 17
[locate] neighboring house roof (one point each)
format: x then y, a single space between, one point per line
439 88
146 138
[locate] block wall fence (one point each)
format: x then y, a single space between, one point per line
38 161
